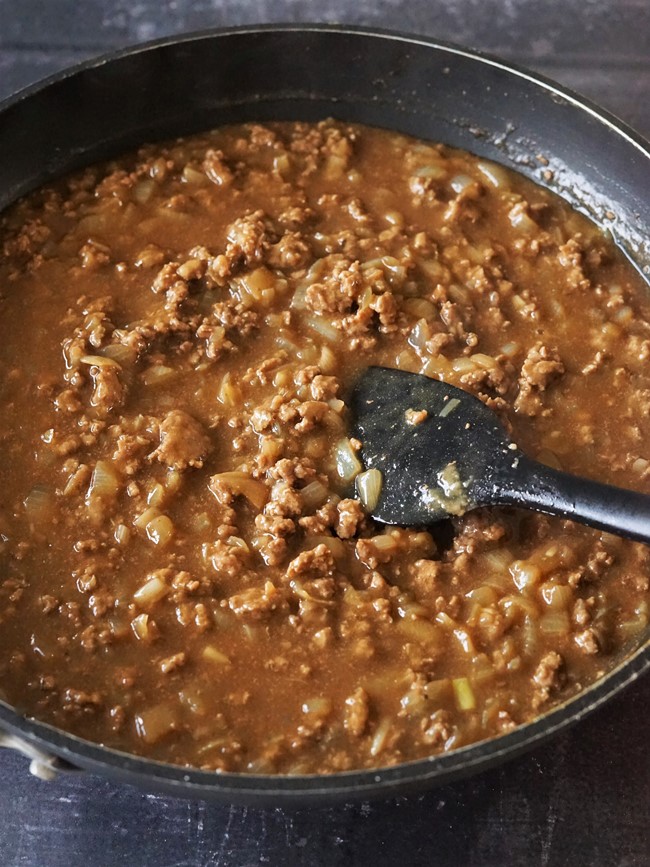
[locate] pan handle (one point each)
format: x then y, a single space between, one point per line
45 766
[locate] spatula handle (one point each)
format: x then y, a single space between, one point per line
532 485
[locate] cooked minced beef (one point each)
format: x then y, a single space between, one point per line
186 572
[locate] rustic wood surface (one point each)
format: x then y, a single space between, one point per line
582 800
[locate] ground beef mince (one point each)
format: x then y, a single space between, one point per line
186 572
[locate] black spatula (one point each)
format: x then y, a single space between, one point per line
456 456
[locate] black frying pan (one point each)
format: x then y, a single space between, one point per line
415 85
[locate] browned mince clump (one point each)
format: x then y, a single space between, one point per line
186 573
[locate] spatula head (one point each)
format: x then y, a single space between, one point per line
440 462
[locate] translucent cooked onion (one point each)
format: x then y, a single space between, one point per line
318 705
39 504
438 691
314 495
494 173
153 591
229 394
160 530
555 623
368 485
420 307
323 327
104 481
449 407
348 465
385 542
140 627
156 722
213 654
122 534
525 574
483 595
99 361
380 737
256 492
557 595
420 630
459 183
420 333
120 353
158 374
463 693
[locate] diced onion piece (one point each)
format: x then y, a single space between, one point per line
160 530
333 544
212 654
148 515
104 481
555 623
153 591
435 172
465 640
438 691
348 465
140 626
120 353
369 488
122 534
156 722
459 183
260 284
39 503
313 495
494 173
323 327
158 374
525 574
420 307
515 605
173 481
143 190
463 693
630 628
99 361
437 368
557 595
318 706
445 620
156 495
423 631
384 542
413 702
327 361
449 407
485 595
256 492
420 333
201 522
229 393
299 300
380 737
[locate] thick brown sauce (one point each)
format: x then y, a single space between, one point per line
202 308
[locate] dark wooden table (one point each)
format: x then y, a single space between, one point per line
584 799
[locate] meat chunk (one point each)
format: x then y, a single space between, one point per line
541 366
108 392
317 563
350 518
357 711
256 602
548 677
183 442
